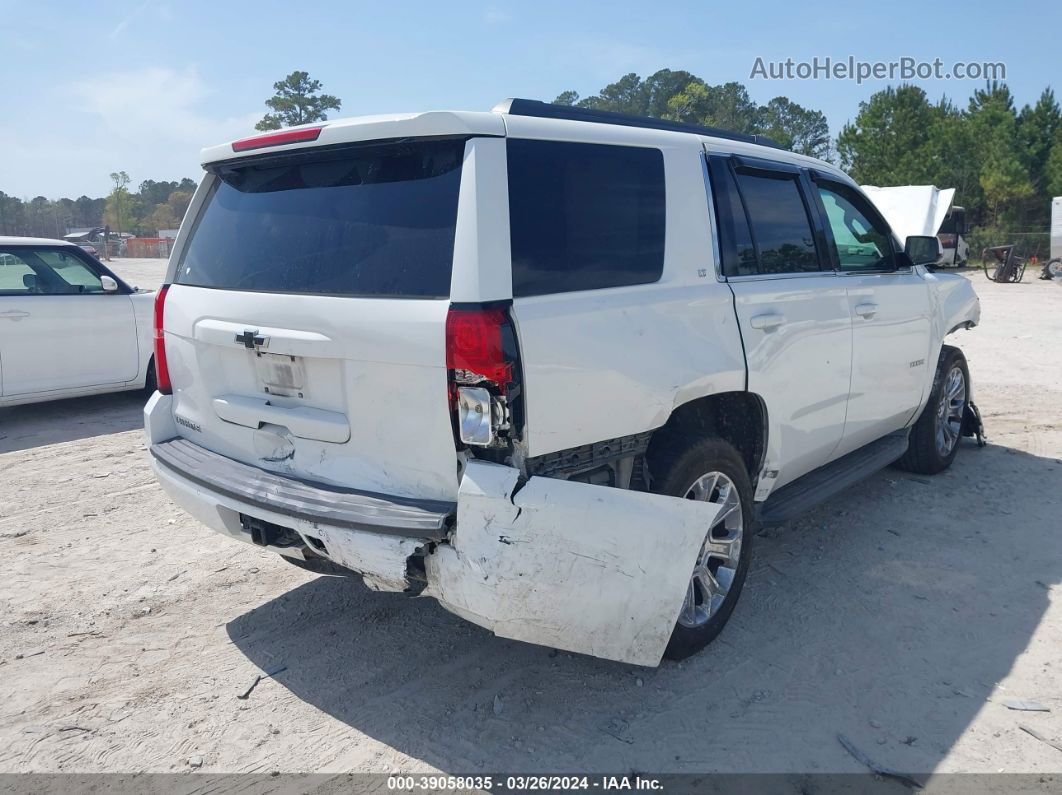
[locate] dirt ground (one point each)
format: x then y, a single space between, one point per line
902 615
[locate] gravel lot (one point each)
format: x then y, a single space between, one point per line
901 615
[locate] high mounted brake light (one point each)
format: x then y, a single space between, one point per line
162 370
278 139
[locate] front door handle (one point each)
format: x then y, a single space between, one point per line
866 310
767 321
14 314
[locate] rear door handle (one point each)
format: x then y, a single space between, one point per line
866 310
14 314
767 321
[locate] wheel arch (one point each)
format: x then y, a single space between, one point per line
738 417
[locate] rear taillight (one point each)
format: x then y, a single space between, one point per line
481 371
162 370
474 345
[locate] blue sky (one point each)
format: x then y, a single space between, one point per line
142 85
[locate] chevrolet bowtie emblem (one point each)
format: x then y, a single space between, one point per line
251 340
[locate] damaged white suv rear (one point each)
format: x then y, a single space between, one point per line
549 366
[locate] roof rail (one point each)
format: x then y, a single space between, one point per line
545 110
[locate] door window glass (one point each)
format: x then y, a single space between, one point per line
72 271
780 225
862 244
27 271
16 277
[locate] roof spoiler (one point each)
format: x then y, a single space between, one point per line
545 110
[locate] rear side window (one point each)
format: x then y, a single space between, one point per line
736 251
367 221
584 216
781 229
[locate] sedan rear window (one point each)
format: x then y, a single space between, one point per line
364 221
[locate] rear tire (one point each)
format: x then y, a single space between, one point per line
711 469
935 438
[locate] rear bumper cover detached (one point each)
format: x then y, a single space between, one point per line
588 569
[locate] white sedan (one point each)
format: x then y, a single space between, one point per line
68 325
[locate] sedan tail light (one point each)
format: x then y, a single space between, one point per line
162 370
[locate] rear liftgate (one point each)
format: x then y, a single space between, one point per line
589 569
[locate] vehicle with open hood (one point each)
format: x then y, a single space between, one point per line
925 210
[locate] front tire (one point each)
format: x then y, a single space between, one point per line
712 470
934 440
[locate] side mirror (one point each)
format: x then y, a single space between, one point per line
923 249
109 284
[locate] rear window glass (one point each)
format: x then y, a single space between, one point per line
584 216
371 221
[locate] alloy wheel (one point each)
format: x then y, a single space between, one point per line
717 562
950 410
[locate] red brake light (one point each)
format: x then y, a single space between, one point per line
162 370
278 139
474 344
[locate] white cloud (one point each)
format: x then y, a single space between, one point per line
156 106
129 18
151 123
494 15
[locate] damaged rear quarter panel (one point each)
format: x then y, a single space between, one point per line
589 569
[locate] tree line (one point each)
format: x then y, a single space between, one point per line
154 206
1004 162
682 96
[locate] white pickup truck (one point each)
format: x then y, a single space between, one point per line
546 365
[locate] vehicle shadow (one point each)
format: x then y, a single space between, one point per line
40 424
887 616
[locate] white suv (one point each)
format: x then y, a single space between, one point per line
548 366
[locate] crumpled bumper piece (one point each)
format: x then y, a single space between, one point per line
380 559
583 568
